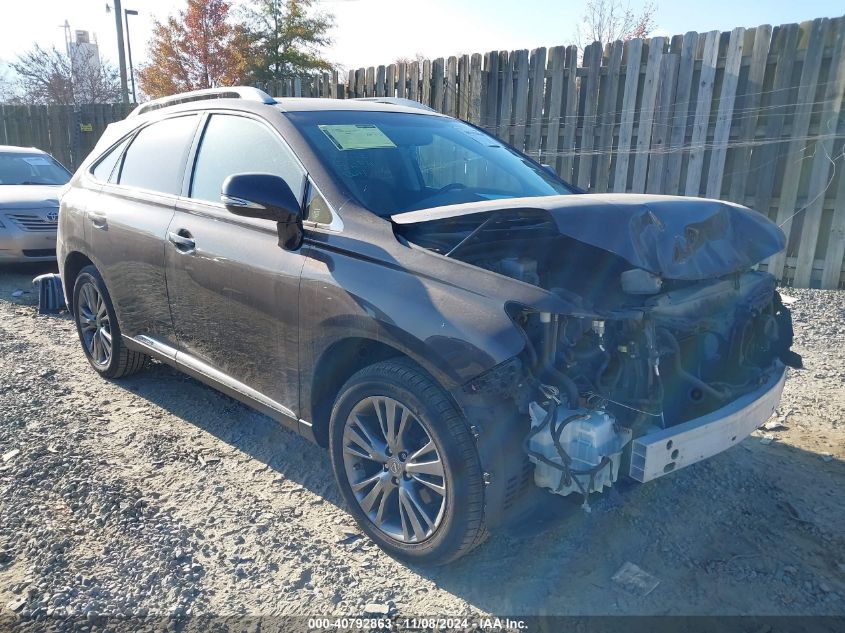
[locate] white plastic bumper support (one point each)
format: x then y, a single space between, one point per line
656 454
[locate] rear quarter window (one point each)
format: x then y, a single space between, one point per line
104 170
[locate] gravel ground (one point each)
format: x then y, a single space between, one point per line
158 495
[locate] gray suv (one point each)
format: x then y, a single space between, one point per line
460 328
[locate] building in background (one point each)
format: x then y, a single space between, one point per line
83 53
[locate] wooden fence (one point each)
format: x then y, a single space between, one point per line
69 133
751 115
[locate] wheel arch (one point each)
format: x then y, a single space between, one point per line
73 264
336 365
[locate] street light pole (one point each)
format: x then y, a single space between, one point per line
121 56
129 12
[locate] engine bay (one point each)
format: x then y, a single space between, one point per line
653 353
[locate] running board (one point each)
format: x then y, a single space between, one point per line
220 381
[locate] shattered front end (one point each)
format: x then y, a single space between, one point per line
693 372
667 348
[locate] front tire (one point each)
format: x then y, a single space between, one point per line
406 464
98 329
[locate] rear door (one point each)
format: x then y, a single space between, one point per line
127 224
233 290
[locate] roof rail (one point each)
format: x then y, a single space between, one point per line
234 92
400 101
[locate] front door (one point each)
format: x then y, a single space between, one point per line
234 292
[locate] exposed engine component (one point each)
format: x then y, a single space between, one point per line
601 380
640 282
521 268
574 450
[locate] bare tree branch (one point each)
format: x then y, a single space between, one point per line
51 77
6 88
609 20
419 58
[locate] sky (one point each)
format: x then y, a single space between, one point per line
372 32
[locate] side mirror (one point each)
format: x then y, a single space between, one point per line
266 197
260 196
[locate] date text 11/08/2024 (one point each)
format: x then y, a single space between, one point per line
422 623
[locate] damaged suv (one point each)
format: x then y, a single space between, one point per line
459 327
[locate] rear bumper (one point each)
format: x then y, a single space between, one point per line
17 245
656 454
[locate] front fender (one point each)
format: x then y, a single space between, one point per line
451 332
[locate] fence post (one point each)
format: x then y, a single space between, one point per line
750 108
592 62
798 144
822 163
626 123
437 84
537 97
475 96
727 99
701 121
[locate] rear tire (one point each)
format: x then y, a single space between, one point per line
407 465
98 329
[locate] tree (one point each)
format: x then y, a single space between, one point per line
419 58
287 38
198 48
608 20
48 76
5 86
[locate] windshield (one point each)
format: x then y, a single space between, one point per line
394 162
31 169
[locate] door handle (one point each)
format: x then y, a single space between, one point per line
182 240
98 221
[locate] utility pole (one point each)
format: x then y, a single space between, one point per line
121 55
129 12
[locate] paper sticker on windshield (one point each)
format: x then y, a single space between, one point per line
37 161
356 136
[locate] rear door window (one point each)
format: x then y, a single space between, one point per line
104 170
155 159
237 145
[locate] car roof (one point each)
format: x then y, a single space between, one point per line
15 149
252 99
312 104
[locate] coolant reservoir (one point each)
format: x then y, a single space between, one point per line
586 440
640 282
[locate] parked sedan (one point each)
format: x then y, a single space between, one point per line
29 204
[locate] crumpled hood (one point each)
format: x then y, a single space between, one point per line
29 196
672 236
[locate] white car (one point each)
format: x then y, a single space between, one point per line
30 180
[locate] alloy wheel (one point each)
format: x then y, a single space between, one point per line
95 324
394 469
